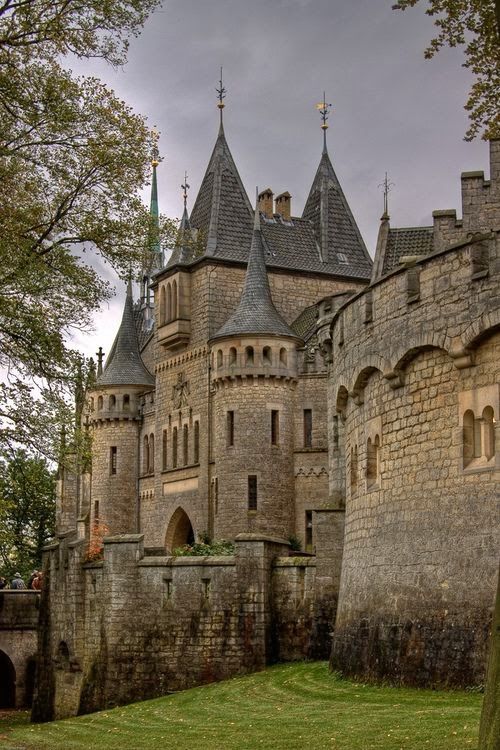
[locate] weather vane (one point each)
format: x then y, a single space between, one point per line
155 153
324 110
185 188
221 92
387 185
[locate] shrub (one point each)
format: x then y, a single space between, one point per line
205 548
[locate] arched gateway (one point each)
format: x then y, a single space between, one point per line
180 530
7 682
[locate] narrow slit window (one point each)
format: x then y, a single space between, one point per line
252 492
185 445
275 427
196 451
174 447
112 459
164 449
230 428
309 531
307 428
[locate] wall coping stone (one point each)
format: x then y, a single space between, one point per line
215 561
123 539
295 562
261 538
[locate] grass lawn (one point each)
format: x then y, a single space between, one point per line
287 707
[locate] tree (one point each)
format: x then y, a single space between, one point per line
72 159
27 511
475 25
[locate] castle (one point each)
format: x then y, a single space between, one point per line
270 385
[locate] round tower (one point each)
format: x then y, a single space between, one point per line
115 421
254 375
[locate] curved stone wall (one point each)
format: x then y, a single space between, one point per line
415 382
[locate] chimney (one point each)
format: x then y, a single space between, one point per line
266 202
284 205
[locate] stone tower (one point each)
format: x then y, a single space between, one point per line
254 373
114 418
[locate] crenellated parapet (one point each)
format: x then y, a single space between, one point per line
253 357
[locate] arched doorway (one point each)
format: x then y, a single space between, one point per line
7 682
180 530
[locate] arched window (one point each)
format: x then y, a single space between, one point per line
372 461
196 456
112 402
164 448
174 447
151 453
185 445
249 355
168 304
283 357
92 404
99 403
163 306
266 355
478 438
354 469
145 455
488 433
174 300
468 437
232 356
126 402
220 358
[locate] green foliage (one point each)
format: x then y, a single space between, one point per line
72 159
287 707
474 25
205 548
295 543
27 511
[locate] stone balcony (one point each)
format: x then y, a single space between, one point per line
175 334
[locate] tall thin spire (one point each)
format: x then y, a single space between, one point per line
324 110
387 185
155 246
221 93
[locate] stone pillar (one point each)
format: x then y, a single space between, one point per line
255 555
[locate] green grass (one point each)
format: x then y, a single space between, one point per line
287 707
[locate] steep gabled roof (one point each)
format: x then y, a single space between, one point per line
124 365
222 211
256 313
335 229
406 241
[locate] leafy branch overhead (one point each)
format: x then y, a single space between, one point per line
475 26
73 157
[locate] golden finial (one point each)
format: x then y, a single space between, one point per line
155 154
221 91
324 110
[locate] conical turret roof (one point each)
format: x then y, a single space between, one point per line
124 365
336 230
222 211
256 313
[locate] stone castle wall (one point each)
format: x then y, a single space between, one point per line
18 642
135 626
413 355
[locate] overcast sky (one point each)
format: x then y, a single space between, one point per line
392 110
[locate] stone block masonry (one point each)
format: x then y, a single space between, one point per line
134 627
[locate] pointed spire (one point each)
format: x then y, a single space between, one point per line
337 234
124 365
155 246
256 313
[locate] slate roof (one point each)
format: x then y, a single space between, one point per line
256 313
223 215
305 324
406 241
335 229
182 251
124 365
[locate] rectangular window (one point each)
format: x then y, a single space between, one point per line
196 442
275 427
112 459
252 492
308 425
96 512
230 428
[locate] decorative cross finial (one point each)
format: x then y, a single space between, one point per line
100 357
324 110
155 153
386 185
185 187
221 92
